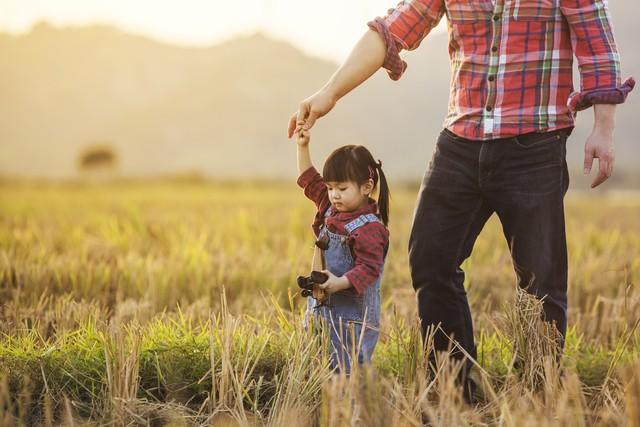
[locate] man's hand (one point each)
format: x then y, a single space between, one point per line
365 59
600 146
334 284
310 110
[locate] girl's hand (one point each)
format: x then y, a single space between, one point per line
334 284
302 136
314 107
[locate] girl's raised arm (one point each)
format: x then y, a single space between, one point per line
304 157
308 177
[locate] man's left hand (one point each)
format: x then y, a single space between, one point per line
600 146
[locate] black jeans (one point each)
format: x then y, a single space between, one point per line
522 179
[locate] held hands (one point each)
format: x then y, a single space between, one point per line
334 284
310 110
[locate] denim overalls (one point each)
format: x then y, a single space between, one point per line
344 311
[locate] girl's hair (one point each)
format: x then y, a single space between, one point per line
355 163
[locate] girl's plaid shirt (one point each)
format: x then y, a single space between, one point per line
512 60
368 243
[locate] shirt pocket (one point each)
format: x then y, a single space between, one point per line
466 12
535 10
469 22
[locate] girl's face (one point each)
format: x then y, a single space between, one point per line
348 196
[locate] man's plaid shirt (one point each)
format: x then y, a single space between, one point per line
512 60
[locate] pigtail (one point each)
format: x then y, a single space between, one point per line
383 195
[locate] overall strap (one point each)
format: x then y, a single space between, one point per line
327 214
360 221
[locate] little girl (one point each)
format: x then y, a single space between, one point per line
353 228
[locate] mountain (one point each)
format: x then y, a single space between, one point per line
223 110
163 108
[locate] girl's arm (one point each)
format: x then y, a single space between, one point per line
309 178
369 248
304 157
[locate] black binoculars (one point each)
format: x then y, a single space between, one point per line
306 282
323 242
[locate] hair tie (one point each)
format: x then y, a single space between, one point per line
379 164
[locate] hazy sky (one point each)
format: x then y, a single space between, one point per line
326 28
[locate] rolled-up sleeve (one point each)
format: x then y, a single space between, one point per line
404 27
595 48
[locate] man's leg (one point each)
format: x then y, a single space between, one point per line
527 190
450 213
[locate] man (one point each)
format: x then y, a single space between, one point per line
503 149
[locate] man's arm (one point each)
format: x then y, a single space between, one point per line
403 28
365 59
600 79
598 59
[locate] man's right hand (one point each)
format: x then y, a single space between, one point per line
311 109
365 59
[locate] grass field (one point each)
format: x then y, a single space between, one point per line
174 303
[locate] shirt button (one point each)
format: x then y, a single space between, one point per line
494 49
489 108
492 78
496 17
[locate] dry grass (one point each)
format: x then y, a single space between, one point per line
165 304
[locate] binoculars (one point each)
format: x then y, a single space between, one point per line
306 283
322 242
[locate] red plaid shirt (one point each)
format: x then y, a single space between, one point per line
512 60
368 243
